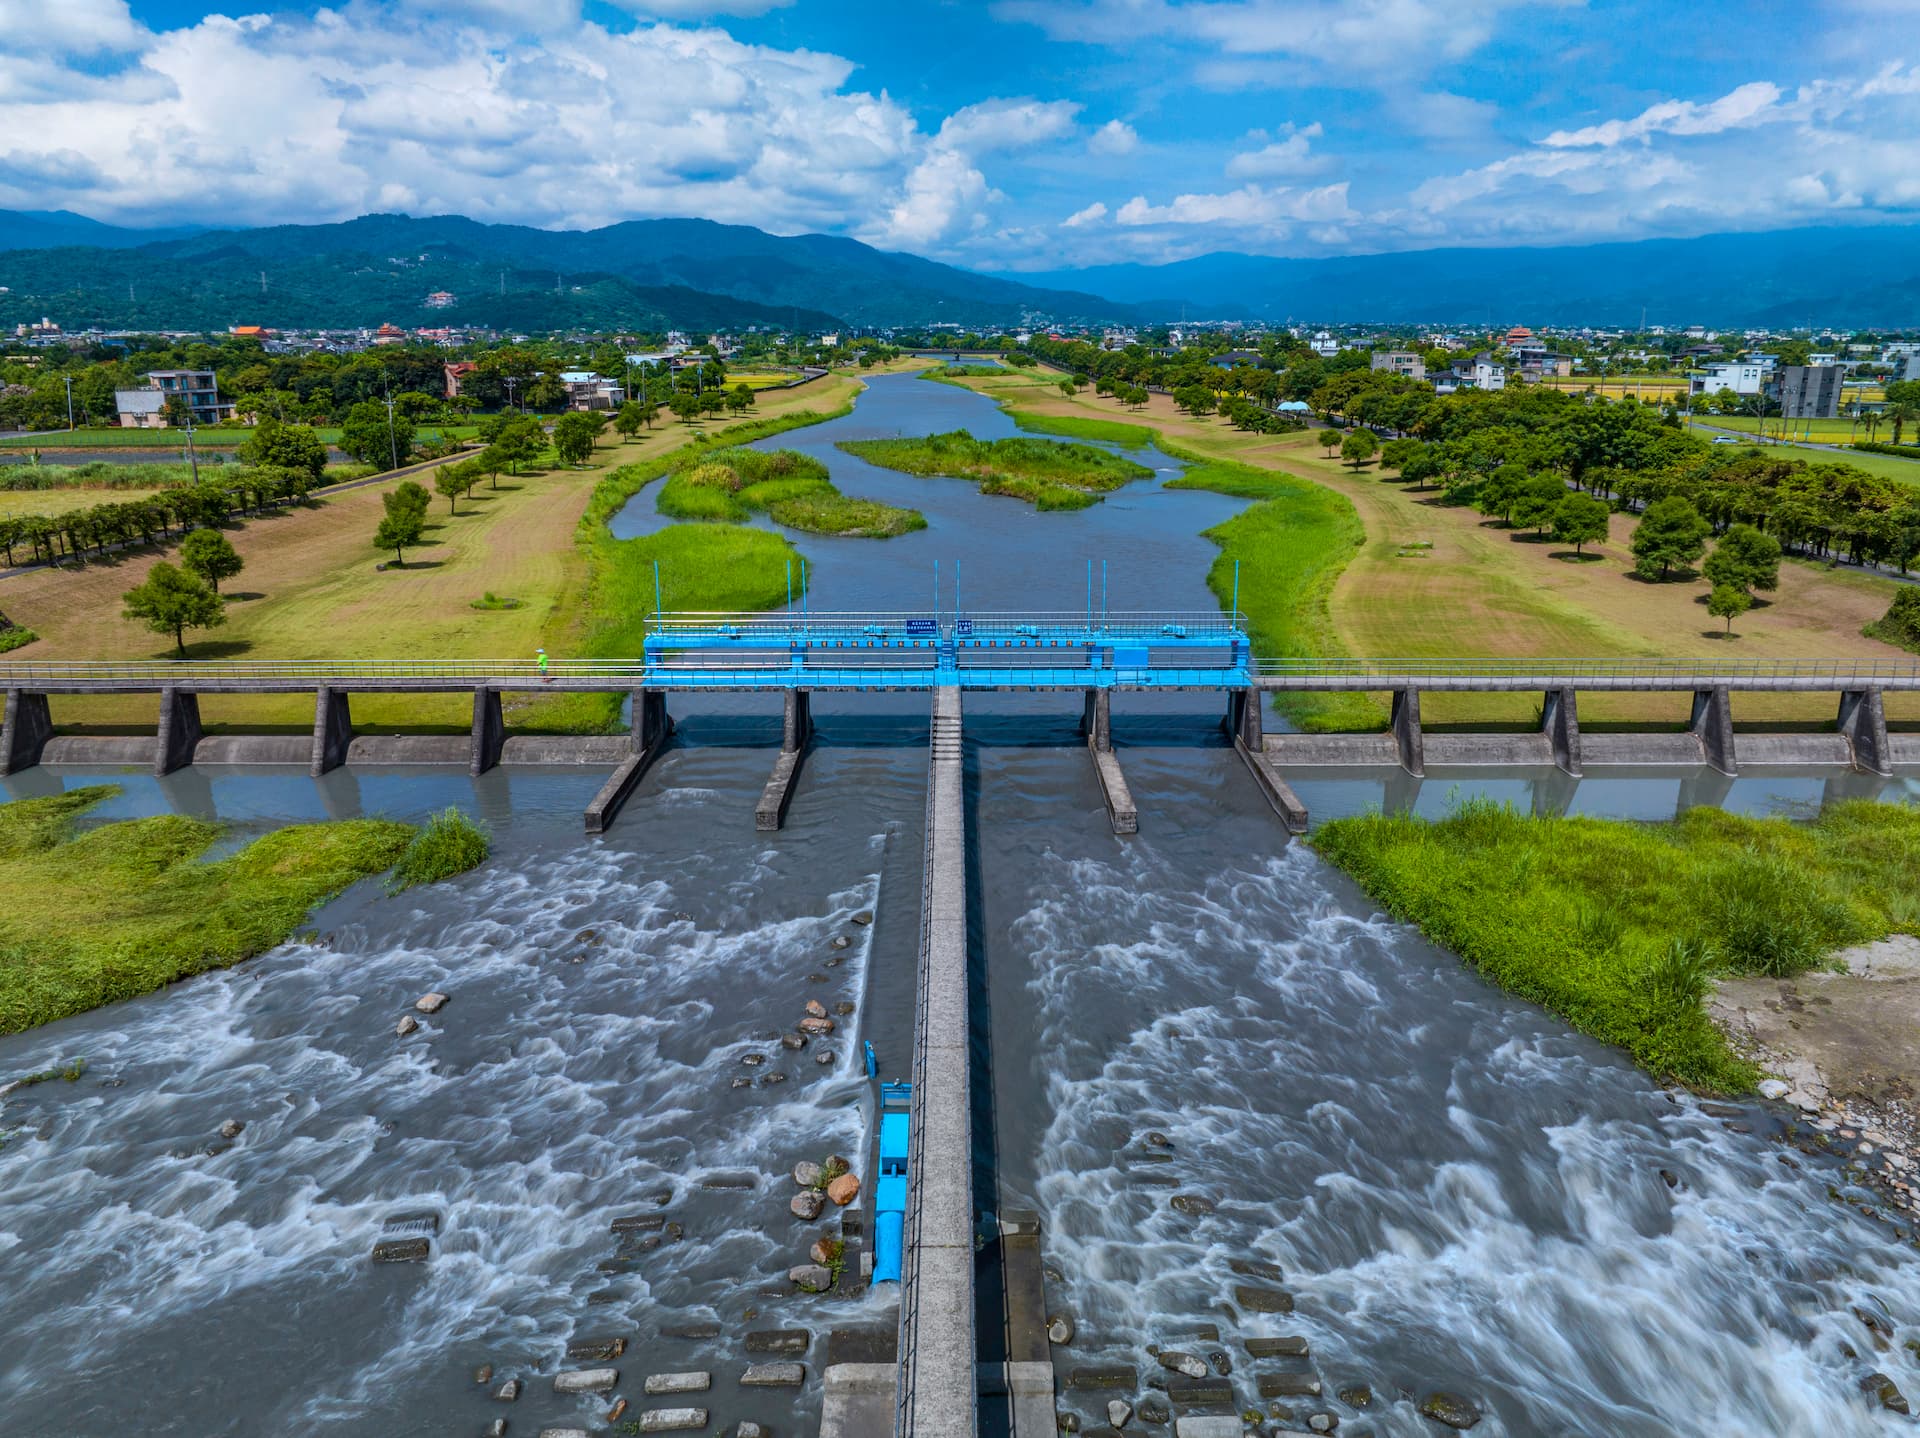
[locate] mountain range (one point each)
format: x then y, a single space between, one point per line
1855 277
641 275
700 275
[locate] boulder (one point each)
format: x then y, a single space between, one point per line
824 1057
430 1003
408 1024
844 1189
1187 1365
824 1250
1060 1328
844 1008
841 941
808 1205
750 1430
795 1042
1774 1088
1359 1395
808 1175
1119 1412
507 1392
1885 1392
659 1384
811 1025
811 1278
1192 1204
1263 1300
817 1009
774 1375
1154 1411
864 917
1449 1409
1322 1422
497 1428
232 1128
586 1380
483 1374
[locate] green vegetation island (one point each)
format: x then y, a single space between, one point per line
141 907
793 489
1621 927
1047 473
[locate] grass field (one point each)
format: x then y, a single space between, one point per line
1652 386
1485 590
311 591
1618 927
1887 466
19 503
208 438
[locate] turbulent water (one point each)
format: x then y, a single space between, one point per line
1460 1193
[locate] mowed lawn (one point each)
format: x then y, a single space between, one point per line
1482 590
312 590
19 503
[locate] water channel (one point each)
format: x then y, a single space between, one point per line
1461 1193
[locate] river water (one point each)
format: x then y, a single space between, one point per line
1460 1192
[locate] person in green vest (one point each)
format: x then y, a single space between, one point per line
540 658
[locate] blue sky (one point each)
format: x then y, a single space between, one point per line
1009 134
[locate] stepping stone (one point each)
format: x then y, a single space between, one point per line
423 1221
1255 1268
673 1420
1208 1426
1276 1348
736 1182
698 1332
402 1250
595 1350
1103 1378
774 1375
665 1383
1191 1392
1288 1385
1263 1300
586 1380
564 1433
779 1340
640 1223
605 1295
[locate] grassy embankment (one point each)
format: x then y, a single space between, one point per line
1048 474
311 590
1434 581
139 908
1619 927
203 439
726 486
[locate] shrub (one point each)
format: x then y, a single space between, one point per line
450 843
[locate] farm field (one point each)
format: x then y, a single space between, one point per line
1484 590
311 590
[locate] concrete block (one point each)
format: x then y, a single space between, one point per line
1863 720
586 1380
489 731
1560 721
1712 725
25 731
1121 813
673 1420
332 730
774 1375
797 723
664 1383
179 730
1408 740
1279 794
1225 1425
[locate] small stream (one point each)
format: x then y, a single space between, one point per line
1458 1191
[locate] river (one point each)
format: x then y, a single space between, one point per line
1460 1192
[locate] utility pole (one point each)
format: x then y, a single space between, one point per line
511 382
67 380
193 460
393 444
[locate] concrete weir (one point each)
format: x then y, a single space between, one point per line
651 730
1097 724
1249 741
795 734
937 1379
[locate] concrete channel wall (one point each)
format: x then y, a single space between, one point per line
937 1378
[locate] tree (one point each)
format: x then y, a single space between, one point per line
1359 447
374 437
1069 388
519 441
627 422
547 394
740 397
208 556
1579 520
1500 490
284 446
1197 400
172 602
174 411
398 532
407 497
1539 498
1745 559
448 481
1422 469
1671 533
1728 602
685 405
573 436
1329 440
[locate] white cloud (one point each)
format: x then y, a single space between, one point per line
1116 137
1284 158
1006 125
67 27
1748 105
1249 207
701 9
1092 214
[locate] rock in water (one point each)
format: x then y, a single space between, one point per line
808 1175
811 1025
664 1383
811 1277
1450 1409
751 1430
673 1420
816 1008
430 1003
844 1189
508 1392
809 1205
586 1380
1185 1364
865 916
1192 1204
1263 1300
1060 1328
408 1023
1119 1413
1884 1391
822 1251
774 1375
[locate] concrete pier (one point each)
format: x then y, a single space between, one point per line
24 731
795 734
937 1379
1712 725
332 730
179 731
651 730
1560 722
1097 724
489 731
1249 741
1407 737
1863 720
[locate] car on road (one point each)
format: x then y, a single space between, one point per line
1725 439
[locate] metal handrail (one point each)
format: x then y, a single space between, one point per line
1623 668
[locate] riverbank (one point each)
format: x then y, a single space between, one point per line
1621 927
1049 474
1437 581
140 907
794 490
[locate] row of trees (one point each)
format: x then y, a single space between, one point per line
146 521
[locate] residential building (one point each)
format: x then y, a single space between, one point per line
389 334
1324 345
1809 391
587 390
1404 362
440 300
1235 357
455 373
1483 371
195 388
1740 376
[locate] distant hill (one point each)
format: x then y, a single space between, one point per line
1857 277
644 274
46 229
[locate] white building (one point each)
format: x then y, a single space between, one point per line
1742 377
1324 345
